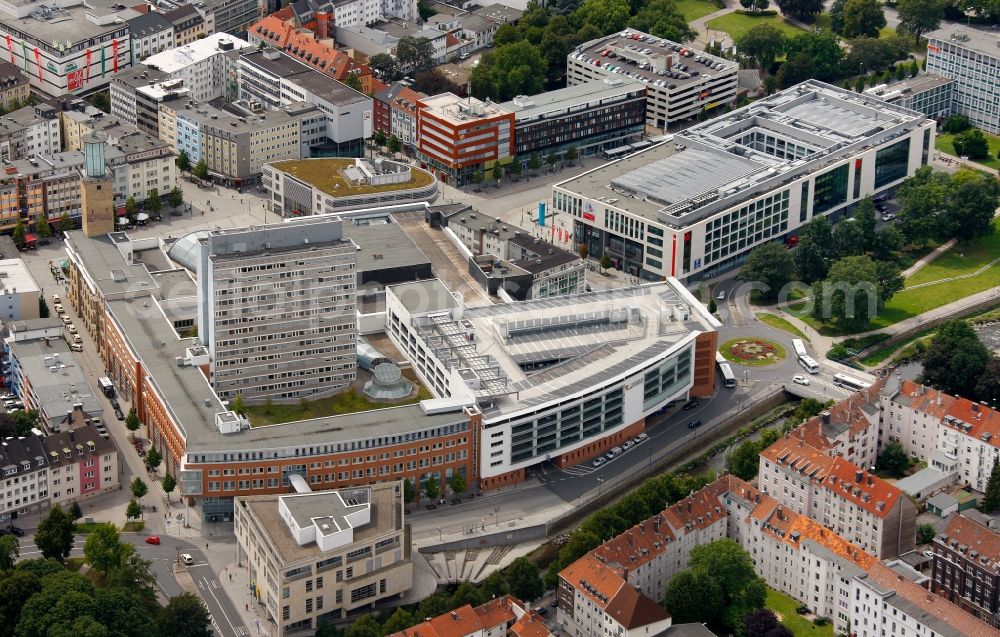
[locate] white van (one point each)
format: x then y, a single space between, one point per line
614 453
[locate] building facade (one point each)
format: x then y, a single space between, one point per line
694 206
927 93
964 572
190 23
317 556
14 86
276 310
203 66
459 136
151 33
682 83
969 57
30 131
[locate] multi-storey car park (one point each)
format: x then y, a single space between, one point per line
681 82
695 205
514 385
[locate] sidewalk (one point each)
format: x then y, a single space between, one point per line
927 258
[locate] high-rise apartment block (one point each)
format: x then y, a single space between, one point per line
276 309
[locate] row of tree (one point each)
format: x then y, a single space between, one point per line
941 206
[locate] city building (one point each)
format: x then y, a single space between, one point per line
28 132
266 345
966 557
588 117
616 366
396 113
317 556
233 16
969 57
25 489
500 617
151 33
695 205
681 83
927 93
459 136
67 47
445 36
321 186
191 22
19 294
234 146
45 187
46 378
202 65
862 508
82 463
14 86
271 79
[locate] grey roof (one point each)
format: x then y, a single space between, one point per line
149 23
11 75
184 17
34 324
942 501
184 251
57 381
174 284
383 246
688 630
966 37
499 13
7 248
140 75
14 452
72 25
920 481
296 235
684 175
334 92
106 266
424 296
547 255
920 83
327 507
77 439
572 96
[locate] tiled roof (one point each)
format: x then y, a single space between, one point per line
924 399
974 535
638 545
699 510
866 491
632 609
594 579
302 45
466 620
531 624
794 453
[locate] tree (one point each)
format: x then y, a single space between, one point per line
400 620
19 233
153 203
919 16
863 18
796 70
153 458
385 67
509 70
955 359
433 82
456 482
415 54
988 387
431 488
65 222
535 162
54 537
921 199
497 172
551 159
745 460
237 405
394 145
200 170
42 228
516 169
763 43
139 488
804 10
570 155
16 588
954 124
9 552
133 510
183 161
728 563
523 580
970 209
607 15
925 534
770 265
821 47
809 263
837 16
366 626
103 549
353 80
760 622
101 100
893 460
132 422
662 19
584 251
466 593
131 208
605 261
888 242
972 144
848 239
693 597
169 483
176 198
991 499
75 512
870 54
184 616
854 292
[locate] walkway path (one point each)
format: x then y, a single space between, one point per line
927 258
706 35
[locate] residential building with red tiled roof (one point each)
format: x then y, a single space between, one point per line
496 618
849 429
966 568
841 495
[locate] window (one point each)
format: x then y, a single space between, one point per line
364 592
830 189
891 163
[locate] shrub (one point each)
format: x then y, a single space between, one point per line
765 12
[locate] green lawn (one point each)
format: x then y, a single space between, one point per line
736 24
784 606
694 9
346 402
960 259
943 143
779 323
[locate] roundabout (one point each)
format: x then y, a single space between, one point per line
752 351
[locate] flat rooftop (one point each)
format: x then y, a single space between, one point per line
424 296
327 175
107 267
910 85
526 108
384 245
719 163
968 38
14 276
627 53
57 380
173 60
544 349
66 24
460 110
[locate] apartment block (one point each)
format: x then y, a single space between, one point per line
191 22
396 112
82 463
19 294
971 58
151 33
14 86
965 568
926 93
203 65
458 136
45 187
234 16
840 495
276 310
29 131
504 616
317 556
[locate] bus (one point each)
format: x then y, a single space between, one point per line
799 347
726 370
809 364
612 154
847 382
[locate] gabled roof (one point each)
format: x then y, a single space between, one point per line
467 620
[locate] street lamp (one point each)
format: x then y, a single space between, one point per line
497 511
600 486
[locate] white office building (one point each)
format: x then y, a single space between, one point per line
694 206
971 58
202 65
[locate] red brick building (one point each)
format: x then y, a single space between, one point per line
458 136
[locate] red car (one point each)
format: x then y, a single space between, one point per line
153 539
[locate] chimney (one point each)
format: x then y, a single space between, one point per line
826 417
859 475
454 615
871 481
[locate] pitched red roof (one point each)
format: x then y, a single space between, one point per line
977 537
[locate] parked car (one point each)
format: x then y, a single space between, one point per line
799 379
628 444
691 404
16 530
153 539
888 216
598 461
694 424
187 559
71 328
66 320
60 310
721 295
56 299
76 347
77 339
643 437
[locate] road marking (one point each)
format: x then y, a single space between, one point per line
221 609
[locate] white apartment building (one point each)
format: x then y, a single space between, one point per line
694 206
202 65
971 58
681 83
30 131
840 495
25 487
276 309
